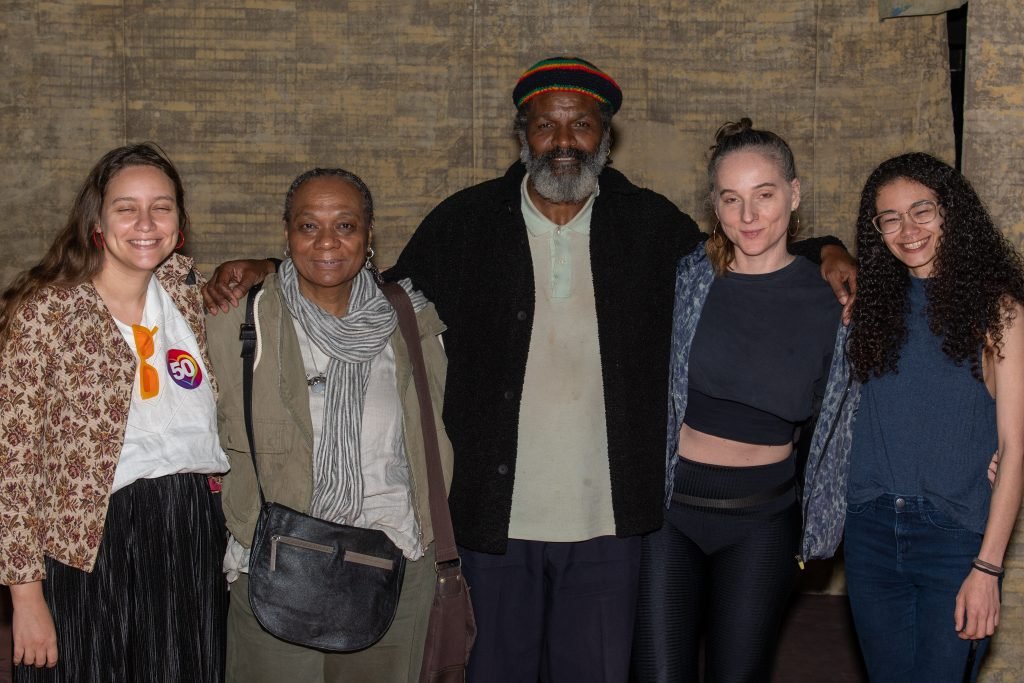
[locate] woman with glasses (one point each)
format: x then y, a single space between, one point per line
936 355
754 328
110 537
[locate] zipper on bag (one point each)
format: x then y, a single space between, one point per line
369 560
297 543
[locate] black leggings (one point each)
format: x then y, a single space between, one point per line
726 574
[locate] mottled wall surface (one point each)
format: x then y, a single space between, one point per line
992 159
415 97
994 110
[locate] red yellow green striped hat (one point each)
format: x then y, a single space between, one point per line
570 74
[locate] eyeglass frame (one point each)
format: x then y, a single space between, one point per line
900 214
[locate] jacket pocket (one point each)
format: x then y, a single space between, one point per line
272 436
275 445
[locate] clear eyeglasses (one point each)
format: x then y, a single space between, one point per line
920 212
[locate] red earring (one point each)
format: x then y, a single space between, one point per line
181 240
97 239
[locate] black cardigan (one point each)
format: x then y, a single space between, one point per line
471 257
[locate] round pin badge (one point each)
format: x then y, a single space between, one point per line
184 369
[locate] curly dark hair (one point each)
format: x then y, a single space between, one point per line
976 278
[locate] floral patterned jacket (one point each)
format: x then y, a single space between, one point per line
66 376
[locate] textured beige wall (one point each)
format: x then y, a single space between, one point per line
994 110
992 160
415 97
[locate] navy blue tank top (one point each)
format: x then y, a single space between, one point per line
927 430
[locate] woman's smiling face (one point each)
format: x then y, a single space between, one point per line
138 220
753 202
328 235
914 244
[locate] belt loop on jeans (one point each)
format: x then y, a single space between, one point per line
735 503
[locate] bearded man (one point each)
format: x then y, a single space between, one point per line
556 283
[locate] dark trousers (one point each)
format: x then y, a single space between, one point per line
553 611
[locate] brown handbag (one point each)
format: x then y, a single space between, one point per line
452 627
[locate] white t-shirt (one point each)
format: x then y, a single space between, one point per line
175 431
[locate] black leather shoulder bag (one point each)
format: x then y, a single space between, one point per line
311 582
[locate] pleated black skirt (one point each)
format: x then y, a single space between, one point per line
154 607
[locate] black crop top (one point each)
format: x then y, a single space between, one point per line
761 354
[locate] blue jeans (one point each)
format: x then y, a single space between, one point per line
905 562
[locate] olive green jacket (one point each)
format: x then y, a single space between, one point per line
282 424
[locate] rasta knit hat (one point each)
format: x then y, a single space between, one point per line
570 74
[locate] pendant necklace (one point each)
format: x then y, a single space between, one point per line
318 382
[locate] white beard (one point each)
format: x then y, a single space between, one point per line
567 187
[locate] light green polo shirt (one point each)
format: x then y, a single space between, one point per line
562 489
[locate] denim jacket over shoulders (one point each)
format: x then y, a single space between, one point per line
824 494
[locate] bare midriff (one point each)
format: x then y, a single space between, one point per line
715 450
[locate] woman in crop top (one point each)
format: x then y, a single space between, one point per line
753 333
937 352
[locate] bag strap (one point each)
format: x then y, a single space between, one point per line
444 537
247 335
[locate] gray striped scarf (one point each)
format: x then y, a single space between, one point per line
351 342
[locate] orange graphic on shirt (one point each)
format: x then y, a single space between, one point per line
149 378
